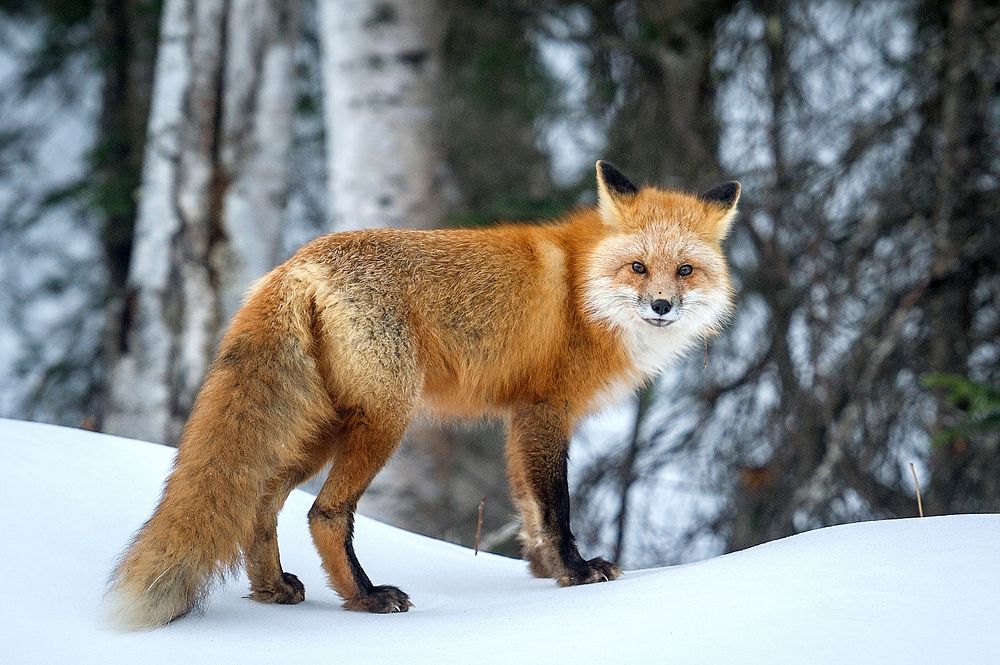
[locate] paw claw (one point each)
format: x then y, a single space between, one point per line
286 591
596 570
383 599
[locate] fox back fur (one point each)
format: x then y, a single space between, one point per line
336 350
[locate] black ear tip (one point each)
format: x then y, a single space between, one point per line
614 179
725 194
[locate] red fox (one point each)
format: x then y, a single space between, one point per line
337 349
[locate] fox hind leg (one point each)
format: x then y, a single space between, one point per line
269 583
366 444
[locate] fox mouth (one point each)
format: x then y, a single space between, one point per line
659 323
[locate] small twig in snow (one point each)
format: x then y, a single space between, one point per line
479 524
920 503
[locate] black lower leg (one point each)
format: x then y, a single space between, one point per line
553 494
554 497
380 599
544 444
346 574
361 579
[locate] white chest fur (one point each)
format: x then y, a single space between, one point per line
651 350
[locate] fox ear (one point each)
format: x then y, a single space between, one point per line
725 196
613 188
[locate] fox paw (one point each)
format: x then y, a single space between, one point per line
595 570
286 591
383 599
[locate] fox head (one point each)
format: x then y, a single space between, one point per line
659 275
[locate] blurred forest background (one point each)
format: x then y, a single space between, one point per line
156 157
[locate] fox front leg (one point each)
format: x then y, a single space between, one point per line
537 447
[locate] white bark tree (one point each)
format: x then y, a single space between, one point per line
381 70
215 181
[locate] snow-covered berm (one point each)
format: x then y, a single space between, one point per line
905 591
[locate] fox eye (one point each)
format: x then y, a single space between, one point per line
685 270
638 268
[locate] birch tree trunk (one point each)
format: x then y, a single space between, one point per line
215 180
381 69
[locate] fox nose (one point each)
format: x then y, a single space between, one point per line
661 306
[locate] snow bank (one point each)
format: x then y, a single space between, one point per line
904 591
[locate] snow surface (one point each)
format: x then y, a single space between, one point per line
904 591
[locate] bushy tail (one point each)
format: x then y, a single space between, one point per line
261 400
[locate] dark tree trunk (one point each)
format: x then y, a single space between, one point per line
127 34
